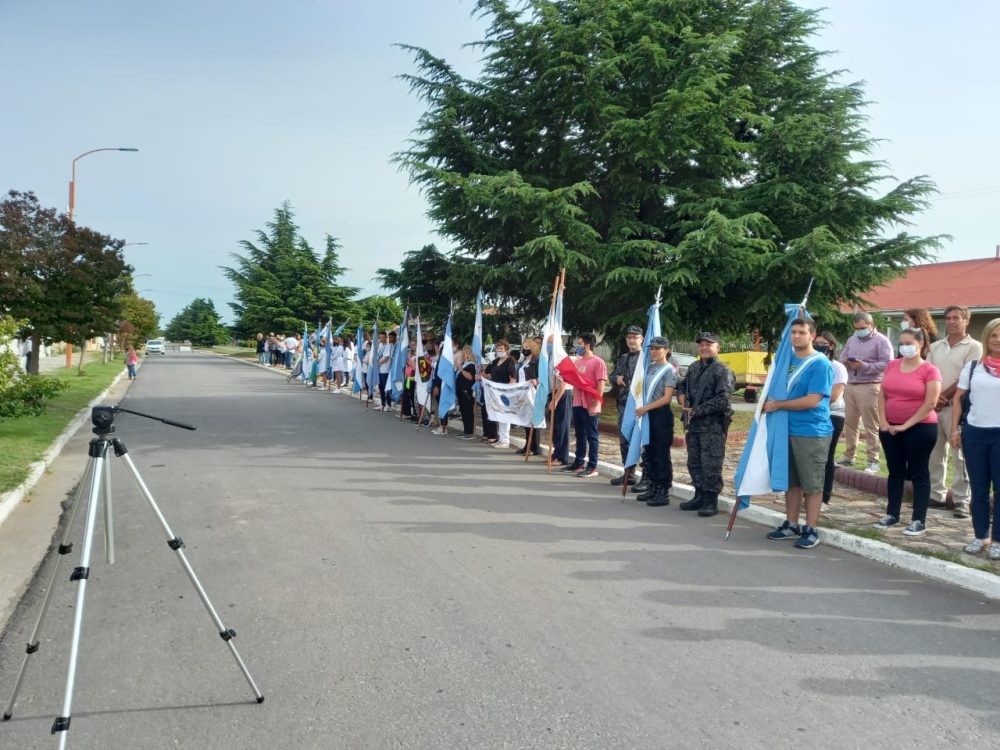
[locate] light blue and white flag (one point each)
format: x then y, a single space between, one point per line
359 352
544 372
638 429
327 349
477 345
763 467
373 365
306 363
397 375
446 373
341 328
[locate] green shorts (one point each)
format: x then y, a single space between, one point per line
807 462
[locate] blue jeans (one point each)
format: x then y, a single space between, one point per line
981 446
262 357
586 436
131 372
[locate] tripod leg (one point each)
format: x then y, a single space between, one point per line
65 547
177 545
109 524
98 454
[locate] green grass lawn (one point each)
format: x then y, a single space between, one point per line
24 440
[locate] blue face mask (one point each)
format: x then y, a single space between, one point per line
579 351
548 349
863 333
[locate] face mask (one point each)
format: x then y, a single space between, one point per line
904 326
579 351
548 349
908 350
863 333
822 348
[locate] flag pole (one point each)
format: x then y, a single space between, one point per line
560 284
531 427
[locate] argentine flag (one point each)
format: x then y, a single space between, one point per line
763 466
398 369
638 429
446 372
373 365
359 352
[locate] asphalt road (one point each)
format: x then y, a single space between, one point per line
399 590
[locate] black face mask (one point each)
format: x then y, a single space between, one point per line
822 348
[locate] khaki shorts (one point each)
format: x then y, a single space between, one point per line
807 462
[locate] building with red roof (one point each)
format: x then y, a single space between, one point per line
972 283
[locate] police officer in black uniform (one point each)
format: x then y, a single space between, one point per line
705 395
621 376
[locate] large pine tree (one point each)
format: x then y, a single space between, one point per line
281 284
698 145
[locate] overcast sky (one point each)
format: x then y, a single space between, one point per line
238 106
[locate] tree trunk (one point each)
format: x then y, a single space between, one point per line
83 354
36 351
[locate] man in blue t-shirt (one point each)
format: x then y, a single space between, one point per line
810 380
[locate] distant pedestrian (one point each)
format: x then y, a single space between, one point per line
261 349
658 387
865 355
826 344
131 359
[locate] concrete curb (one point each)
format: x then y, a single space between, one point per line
979 581
11 499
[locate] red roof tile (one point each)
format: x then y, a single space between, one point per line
973 283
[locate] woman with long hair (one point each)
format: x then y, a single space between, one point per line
466 399
527 371
917 317
979 439
908 428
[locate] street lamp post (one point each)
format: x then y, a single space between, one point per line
72 182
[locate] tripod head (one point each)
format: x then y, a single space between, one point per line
103 419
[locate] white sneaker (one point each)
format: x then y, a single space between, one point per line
501 445
437 431
335 390
873 468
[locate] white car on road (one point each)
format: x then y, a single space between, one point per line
156 346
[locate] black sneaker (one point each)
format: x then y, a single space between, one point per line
588 473
571 468
785 531
886 521
917 528
618 481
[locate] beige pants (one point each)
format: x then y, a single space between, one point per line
939 465
861 407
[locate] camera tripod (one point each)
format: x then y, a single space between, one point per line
97 479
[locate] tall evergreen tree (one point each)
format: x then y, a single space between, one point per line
281 283
698 145
198 323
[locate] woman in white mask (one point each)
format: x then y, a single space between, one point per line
908 427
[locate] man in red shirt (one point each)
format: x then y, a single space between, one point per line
587 406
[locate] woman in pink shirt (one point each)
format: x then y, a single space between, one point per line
908 428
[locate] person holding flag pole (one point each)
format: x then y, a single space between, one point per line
791 426
562 392
446 374
544 377
632 423
422 388
373 368
397 376
359 361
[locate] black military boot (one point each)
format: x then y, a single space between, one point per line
710 506
662 497
695 502
651 494
642 487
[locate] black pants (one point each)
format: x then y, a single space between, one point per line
838 427
467 408
489 426
623 443
383 380
661 438
908 454
706 451
532 433
406 402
